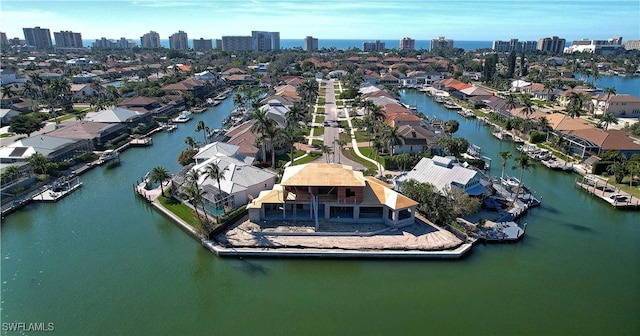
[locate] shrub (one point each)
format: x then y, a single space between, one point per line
600 167
537 137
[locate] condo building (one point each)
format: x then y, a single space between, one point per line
553 45
202 44
122 43
179 41
441 43
37 37
237 43
373 46
407 43
514 45
629 45
150 40
310 43
265 40
3 39
68 39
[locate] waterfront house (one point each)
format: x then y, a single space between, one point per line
221 149
98 134
620 105
332 192
147 104
119 115
241 182
53 148
196 87
246 140
445 173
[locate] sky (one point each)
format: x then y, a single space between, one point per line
470 20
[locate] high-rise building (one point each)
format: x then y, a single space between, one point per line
553 45
263 40
612 46
440 43
218 44
150 40
202 44
68 39
179 41
37 37
629 45
3 39
514 45
237 43
122 43
310 43
373 46
407 43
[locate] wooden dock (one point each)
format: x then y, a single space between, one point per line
608 193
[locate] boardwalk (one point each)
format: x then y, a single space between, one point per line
608 193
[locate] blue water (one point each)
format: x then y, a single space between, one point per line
623 85
346 44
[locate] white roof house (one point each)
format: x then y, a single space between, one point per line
220 149
444 173
240 180
114 115
276 111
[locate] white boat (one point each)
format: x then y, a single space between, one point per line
183 117
108 155
502 135
510 181
169 127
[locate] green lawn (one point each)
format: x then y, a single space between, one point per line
625 186
349 154
361 136
339 103
368 152
320 110
317 131
321 100
286 158
316 142
6 135
181 210
319 119
314 155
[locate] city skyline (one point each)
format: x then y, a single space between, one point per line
459 20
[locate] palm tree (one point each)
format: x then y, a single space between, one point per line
523 162
341 143
261 125
308 91
238 101
193 177
213 170
200 126
290 135
377 113
543 124
8 93
633 167
31 92
505 155
159 174
528 105
294 115
511 102
391 137
609 91
451 126
189 141
38 163
607 119
327 151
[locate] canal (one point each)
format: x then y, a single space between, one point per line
104 262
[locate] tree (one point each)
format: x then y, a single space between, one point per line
159 174
528 105
505 155
617 170
261 126
214 171
25 124
327 151
453 146
341 143
32 92
295 115
392 137
8 93
451 126
290 135
309 91
607 119
200 126
610 91
633 167
38 163
186 156
191 142
523 162
543 124
511 64
193 178
511 102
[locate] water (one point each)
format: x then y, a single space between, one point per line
623 85
342 44
103 261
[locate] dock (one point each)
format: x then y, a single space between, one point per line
618 198
58 190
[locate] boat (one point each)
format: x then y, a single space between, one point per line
510 181
183 117
556 164
198 109
169 127
221 96
108 155
502 135
210 101
466 113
